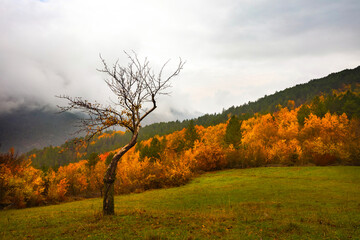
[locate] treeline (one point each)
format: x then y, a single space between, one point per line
290 136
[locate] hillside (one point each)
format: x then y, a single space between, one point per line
27 129
260 203
301 93
347 102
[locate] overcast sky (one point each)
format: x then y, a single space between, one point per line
235 50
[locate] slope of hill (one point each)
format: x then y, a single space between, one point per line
300 94
303 93
26 129
260 203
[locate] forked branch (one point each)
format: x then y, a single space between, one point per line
134 86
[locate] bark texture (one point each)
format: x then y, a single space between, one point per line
110 176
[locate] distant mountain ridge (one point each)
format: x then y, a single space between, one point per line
26 129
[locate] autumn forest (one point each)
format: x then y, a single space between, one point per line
322 131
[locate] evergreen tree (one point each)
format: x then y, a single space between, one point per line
109 158
302 114
191 135
318 107
152 151
93 159
233 132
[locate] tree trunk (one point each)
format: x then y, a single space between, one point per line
110 176
108 201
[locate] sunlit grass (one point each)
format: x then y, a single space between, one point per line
267 203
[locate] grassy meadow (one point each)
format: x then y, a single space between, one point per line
257 203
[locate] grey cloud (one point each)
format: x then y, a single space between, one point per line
235 50
273 29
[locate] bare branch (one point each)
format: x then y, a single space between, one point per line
134 86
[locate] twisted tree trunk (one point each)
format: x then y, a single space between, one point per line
110 176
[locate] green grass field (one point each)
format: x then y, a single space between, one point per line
259 203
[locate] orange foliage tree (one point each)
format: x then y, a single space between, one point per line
55 188
76 177
208 152
20 184
286 148
259 133
325 139
95 176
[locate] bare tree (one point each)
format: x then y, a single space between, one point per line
135 86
